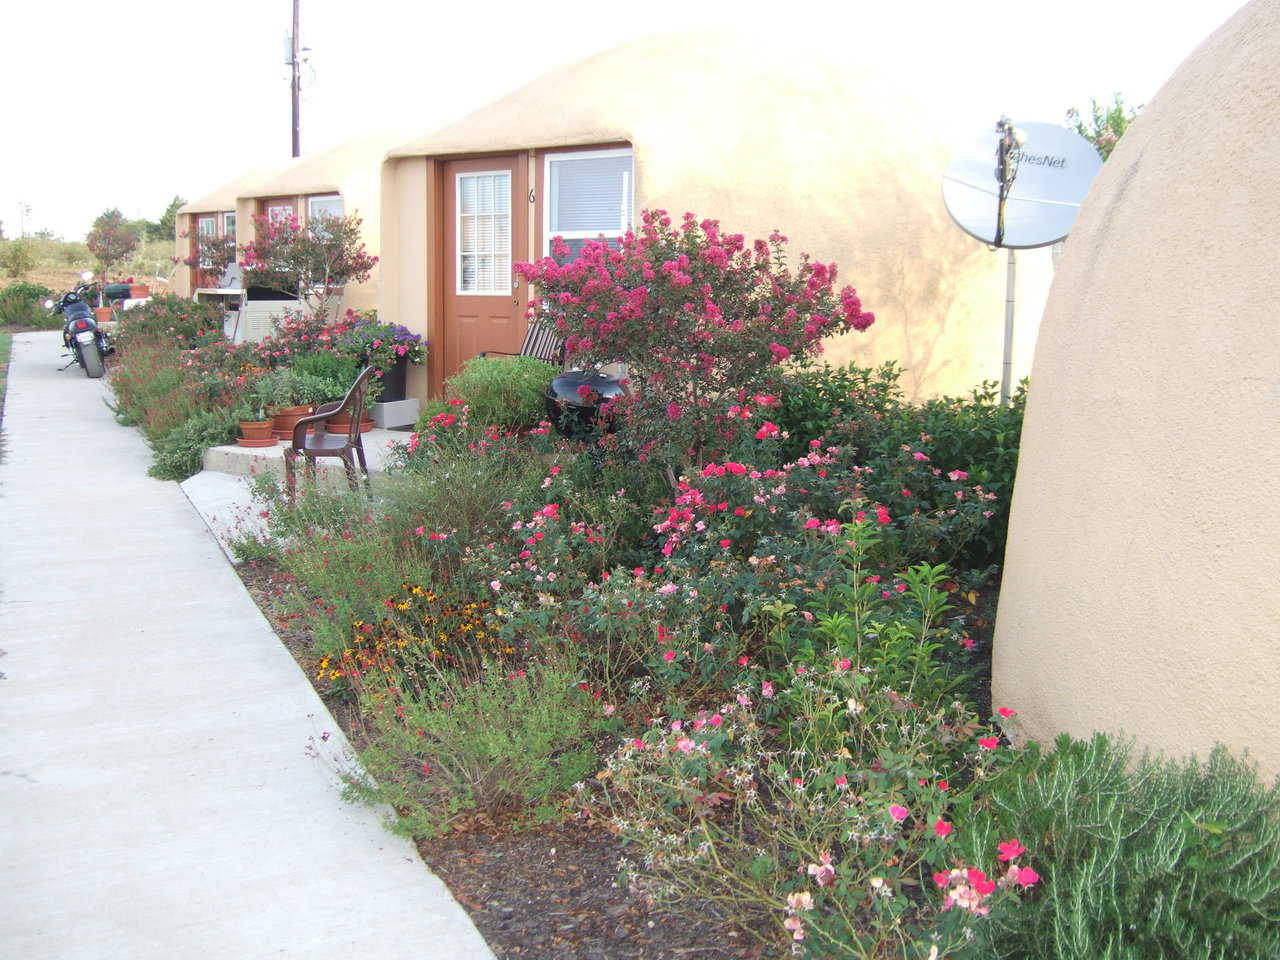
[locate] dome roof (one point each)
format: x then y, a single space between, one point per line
764 135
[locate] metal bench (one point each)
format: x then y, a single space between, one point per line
541 341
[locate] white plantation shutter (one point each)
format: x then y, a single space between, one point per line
484 233
589 193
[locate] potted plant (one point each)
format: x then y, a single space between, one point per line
387 347
255 425
290 399
328 376
341 421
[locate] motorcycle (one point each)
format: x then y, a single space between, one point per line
81 335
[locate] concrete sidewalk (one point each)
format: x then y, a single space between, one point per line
168 779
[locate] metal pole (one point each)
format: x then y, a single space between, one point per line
1010 283
296 85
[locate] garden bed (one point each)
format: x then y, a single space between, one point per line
731 655
535 891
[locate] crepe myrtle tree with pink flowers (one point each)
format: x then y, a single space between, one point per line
703 322
312 261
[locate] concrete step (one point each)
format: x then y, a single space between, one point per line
252 461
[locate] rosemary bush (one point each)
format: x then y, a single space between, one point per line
1156 858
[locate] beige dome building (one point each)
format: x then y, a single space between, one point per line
343 180
215 214
759 136
1142 577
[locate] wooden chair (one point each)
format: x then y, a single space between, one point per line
540 341
347 445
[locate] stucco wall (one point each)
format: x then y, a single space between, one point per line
764 136
353 169
1140 591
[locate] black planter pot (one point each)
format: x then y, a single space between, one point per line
393 381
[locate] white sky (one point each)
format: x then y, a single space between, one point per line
129 102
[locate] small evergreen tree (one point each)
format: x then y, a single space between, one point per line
165 228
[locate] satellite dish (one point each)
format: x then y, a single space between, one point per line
1053 168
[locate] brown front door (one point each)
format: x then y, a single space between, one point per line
206 229
486 230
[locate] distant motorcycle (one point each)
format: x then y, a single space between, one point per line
81 334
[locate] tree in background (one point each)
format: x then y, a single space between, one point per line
165 228
110 240
1106 125
16 258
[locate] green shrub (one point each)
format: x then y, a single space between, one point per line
503 391
324 376
327 364
1157 858
430 408
863 409
815 797
180 452
499 739
22 305
150 389
169 318
16 258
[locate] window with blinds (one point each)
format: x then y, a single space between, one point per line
484 233
588 194
229 225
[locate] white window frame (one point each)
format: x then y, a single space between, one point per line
311 198
628 193
211 221
290 205
457 233
231 214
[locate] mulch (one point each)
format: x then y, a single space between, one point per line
538 892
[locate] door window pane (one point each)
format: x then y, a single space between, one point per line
279 211
484 233
229 225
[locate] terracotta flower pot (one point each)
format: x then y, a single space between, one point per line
283 421
102 315
139 291
341 422
256 433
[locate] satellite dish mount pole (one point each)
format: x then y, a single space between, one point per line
1008 153
295 85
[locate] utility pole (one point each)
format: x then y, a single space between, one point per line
296 83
